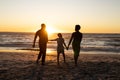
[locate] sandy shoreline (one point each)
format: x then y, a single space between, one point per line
20 65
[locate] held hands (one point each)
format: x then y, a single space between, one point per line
67 47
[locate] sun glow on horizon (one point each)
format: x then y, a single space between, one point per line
51 30
94 16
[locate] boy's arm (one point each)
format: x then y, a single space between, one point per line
53 40
65 45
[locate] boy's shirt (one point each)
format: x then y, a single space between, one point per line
60 42
60 47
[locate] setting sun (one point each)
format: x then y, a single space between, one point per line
94 16
50 30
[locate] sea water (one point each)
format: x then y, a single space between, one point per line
90 42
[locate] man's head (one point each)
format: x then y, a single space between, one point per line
77 27
43 26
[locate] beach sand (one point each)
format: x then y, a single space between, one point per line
20 65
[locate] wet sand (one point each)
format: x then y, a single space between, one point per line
20 65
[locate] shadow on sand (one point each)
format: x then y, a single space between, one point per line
50 71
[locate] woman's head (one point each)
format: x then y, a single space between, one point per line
59 35
77 27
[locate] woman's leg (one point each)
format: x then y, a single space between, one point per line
75 59
76 55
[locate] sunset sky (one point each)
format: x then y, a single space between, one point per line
101 16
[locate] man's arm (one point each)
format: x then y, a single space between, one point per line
34 40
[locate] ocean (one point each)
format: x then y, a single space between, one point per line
101 42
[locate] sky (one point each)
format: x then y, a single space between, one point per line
94 16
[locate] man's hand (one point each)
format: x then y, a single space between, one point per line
33 45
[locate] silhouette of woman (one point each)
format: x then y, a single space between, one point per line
76 39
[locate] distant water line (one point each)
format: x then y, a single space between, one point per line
90 42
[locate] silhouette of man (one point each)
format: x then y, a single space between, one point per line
77 38
43 39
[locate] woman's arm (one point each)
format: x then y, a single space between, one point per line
70 41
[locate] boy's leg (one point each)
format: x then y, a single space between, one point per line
64 57
58 58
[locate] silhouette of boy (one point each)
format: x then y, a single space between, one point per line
76 39
60 46
43 39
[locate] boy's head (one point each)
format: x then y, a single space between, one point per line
77 27
59 35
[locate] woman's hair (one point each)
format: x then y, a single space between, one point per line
77 27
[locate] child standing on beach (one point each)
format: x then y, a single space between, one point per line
60 46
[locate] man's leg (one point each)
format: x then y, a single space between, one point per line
39 56
43 50
43 58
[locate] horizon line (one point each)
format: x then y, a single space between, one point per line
63 32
